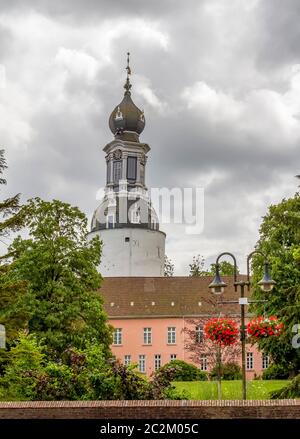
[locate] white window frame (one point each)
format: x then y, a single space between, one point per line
203 363
147 336
117 337
265 361
157 361
117 171
173 357
127 360
142 363
171 335
199 334
249 361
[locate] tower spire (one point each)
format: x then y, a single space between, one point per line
127 85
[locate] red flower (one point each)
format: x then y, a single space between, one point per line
222 331
264 327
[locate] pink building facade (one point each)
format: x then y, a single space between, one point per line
151 343
157 320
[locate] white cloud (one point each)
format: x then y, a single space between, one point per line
77 63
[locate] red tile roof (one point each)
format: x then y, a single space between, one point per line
134 297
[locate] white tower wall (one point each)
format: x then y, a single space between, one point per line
140 255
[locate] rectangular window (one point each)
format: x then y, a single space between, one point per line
249 361
117 171
157 362
142 363
127 360
173 357
117 337
110 222
199 334
142 173
108 172
171 335
147 335
203 362
131 168
265 361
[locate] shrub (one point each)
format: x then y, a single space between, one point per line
275 372
185 371
292 390
229 371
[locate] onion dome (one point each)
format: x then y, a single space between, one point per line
127 121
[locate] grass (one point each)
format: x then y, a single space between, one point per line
256 389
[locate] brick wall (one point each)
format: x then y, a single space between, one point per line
151 409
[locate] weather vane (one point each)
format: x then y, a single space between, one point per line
128 67
127 85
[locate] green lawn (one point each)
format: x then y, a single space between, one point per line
256 389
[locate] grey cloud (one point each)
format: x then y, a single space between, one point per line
280 33
64 157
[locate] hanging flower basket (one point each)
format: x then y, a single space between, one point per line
222 331
262 327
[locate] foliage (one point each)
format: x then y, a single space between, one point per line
11 220
77 375
213 352
262 327
24 363
168 267
275 372
225 269
61 304
280 240
197 268
184 371
292 390
222 331
229 371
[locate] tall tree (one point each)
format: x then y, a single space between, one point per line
280 240
11 220
197 267
168 267
62 302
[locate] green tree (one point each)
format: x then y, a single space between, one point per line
78 375
168 267
226 269
280 240
10 217
197 267
62 302
11 220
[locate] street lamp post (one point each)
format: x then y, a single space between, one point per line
217 286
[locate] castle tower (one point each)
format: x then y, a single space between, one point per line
125 220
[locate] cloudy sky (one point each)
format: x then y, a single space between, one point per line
219 82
